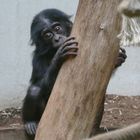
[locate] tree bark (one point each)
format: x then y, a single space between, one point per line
79 89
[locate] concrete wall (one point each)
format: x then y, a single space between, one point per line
15 54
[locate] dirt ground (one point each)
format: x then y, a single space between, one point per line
120 111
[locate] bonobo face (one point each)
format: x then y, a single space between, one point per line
54 34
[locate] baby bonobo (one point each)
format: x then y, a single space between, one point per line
50 31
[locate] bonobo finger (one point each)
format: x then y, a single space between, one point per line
70 43
123 50
34 127
69 38
120 60
72 48
123 55
31 129
28 129
69 54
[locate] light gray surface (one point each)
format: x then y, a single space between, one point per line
15 54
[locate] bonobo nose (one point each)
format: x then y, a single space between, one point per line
57 38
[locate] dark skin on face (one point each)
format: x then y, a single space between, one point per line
64 45
54 34
50 32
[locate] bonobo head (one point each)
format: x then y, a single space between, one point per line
50 28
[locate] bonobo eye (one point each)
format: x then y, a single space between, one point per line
57 28
48 35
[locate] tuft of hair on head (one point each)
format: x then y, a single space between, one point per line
54 14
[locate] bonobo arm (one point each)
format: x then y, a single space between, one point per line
69 48
32 109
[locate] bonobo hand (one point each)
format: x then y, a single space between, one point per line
68 48
121 57
30 128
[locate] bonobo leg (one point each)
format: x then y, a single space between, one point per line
120 59
98 118
32 109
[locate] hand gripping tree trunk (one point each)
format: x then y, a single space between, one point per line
79 89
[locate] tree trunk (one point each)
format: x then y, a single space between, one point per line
79 89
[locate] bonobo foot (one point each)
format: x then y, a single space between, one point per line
30 128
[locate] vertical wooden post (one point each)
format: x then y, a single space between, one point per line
79 89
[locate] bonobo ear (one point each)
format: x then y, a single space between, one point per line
69 25
70 22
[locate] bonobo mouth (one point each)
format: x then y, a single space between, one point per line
57 45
